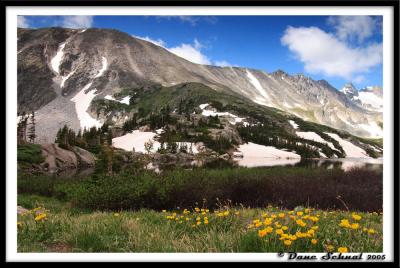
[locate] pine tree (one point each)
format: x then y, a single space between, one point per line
21 127
32 128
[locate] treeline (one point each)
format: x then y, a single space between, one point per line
264 135
91 139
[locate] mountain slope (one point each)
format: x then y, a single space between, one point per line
72 73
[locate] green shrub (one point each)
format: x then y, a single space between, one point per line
29 153
359 189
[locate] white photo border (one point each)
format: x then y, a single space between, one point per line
11 110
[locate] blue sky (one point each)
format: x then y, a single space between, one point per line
338 49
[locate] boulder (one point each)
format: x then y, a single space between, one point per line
86 159
57 158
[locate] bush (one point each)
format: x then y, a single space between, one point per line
335 189
30 153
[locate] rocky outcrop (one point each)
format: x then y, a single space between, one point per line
58 159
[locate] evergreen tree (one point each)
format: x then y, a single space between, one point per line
32 128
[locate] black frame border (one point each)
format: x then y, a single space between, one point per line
306 3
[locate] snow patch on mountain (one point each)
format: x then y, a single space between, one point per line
137 140
125 100
56 60
65 78
83 99
233 119
373 128
350 149
293 124
261 155
312 136
257 85
103 68
82 102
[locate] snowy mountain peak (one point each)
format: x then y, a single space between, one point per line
349 89
370 97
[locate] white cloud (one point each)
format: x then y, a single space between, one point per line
77 21
222 63
22 22
324 53
158 42
191 52
192 20
352 28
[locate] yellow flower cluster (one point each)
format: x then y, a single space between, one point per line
41 217
196 217
300 223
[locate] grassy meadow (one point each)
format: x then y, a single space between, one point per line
203 210
53 226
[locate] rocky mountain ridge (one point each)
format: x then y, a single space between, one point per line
62 71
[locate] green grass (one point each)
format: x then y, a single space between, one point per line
151 231
29 154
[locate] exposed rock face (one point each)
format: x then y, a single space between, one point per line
58 159
134 62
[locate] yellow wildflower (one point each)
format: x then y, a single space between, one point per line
354 226
164 210
258 224
345 223
226 213
371 231
40 217
116 214
356 217
315 227
268 221
198 223
330 248
237 213
285 228
262 233
301 223
314 241
281 215
287 242
19 224
269 229
279 231
343 250
299 213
